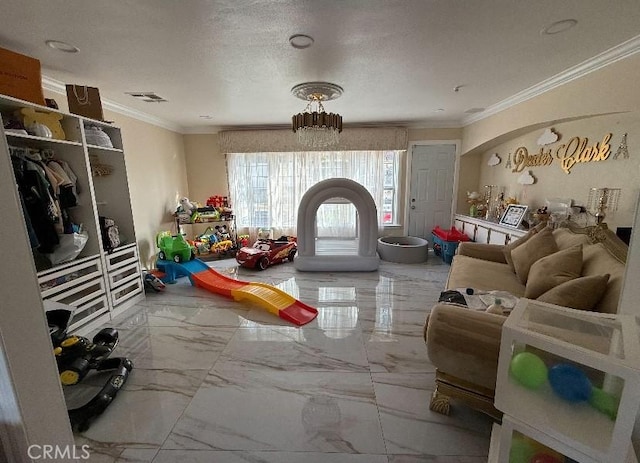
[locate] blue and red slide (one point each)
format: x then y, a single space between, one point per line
269 297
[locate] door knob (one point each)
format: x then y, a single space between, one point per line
413 207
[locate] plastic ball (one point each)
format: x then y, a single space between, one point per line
545 458
604 402
570 382
529 370
521 450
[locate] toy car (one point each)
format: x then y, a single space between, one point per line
267 252
174 247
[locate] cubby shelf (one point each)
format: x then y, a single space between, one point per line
91 283
568 380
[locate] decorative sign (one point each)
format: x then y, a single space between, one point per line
526 178
548 137
513 215
494 160
575 151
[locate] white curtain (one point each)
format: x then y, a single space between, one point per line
266 188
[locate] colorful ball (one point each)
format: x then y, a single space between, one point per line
570 382
544 458
604 402
521 450
529 370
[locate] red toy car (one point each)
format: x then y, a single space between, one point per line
267 252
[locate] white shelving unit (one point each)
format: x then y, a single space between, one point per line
601 352
485 231
97 283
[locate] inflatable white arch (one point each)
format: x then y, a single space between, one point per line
367 259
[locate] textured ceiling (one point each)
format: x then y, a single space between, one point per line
397 60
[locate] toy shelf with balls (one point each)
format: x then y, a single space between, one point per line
522 443
572 376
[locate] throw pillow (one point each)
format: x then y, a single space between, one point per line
538 246
553 270
581 293
511 246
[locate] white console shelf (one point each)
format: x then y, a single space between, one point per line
485 231
97 283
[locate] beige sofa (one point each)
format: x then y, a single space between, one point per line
463 344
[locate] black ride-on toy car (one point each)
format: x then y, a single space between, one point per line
76 356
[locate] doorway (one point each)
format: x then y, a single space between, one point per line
431 186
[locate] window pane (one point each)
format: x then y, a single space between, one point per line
266 188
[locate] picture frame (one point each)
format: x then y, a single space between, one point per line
513 215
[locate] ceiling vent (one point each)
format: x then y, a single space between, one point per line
148 97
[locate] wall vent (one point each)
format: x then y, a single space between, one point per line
148 97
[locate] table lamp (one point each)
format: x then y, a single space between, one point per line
601 201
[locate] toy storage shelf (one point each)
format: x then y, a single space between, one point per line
98 284
585 396
197 228
500 442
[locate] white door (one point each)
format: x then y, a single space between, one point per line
431 188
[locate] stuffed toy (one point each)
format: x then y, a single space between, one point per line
187 206
222 233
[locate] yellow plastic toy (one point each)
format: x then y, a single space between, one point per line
30 116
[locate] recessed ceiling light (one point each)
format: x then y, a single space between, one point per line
301 41
559 26
62 46
439 110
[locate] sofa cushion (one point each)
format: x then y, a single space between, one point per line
511 246
553 270
538 246
581 293
469 272
565 238
596 260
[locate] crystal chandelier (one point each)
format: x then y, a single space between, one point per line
316 128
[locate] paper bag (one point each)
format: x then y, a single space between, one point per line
20 77
85 101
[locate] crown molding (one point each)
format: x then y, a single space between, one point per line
56 86
610 56
201 130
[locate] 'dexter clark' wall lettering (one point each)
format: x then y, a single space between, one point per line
577 150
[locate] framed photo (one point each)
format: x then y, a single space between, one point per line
513 215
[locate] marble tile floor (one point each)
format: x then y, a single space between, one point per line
220 381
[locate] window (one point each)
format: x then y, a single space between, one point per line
266 188
390 203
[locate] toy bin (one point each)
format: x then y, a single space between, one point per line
445 242
517 442
574 376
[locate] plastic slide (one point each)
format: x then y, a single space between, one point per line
269 297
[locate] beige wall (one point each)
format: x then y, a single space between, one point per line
552 182
157 175
604 101
206 167
610 89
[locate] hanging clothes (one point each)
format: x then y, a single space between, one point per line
36 193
